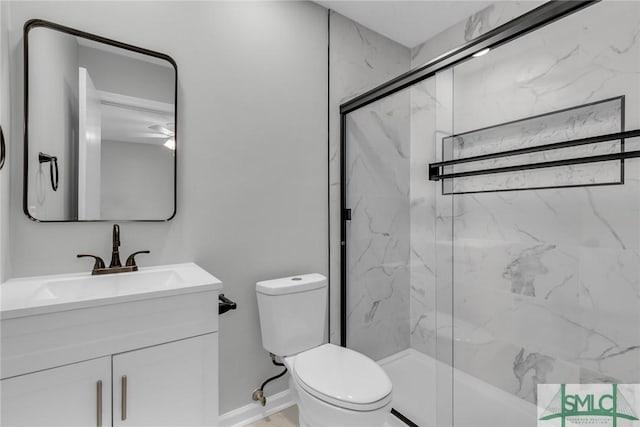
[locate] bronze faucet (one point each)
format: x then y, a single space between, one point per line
115 266
115 253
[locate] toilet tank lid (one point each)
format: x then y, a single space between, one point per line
291 285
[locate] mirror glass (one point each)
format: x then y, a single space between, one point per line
100 137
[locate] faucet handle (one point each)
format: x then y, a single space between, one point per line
97 265
131 261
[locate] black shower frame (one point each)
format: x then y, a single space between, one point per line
524 24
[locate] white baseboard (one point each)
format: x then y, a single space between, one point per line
253 412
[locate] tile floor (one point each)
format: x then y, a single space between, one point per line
285 418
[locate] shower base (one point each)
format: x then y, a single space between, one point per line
477 404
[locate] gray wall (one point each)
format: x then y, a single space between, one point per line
125 192
252 165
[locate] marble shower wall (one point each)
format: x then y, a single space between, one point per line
546 282
551 278
423 198
475 25
431 215
360 59
601 118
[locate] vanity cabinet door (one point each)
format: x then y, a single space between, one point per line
77 395
173 384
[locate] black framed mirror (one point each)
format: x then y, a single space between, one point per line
100 138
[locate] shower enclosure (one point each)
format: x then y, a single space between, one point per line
491 224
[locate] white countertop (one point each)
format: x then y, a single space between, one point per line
30 296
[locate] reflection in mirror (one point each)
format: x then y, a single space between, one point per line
106 111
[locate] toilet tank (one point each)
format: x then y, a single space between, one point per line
293 313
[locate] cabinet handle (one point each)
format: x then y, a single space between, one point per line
99 401
123 403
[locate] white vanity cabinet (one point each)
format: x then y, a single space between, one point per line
76 395
145 359
170 385
173 384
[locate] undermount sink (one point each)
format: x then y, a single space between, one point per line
46 294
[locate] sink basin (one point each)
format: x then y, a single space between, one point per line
107 286
46 294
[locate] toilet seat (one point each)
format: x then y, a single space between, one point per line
342 377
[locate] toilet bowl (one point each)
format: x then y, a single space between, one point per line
337 387
333 386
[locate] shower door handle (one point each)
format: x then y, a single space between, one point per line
3 148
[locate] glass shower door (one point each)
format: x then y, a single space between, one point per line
399 248
377 187
503 299
546 271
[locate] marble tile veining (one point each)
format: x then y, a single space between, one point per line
360 60
517 288
550 276
378 251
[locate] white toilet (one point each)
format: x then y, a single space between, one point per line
333 386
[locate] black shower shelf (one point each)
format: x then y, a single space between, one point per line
436 173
